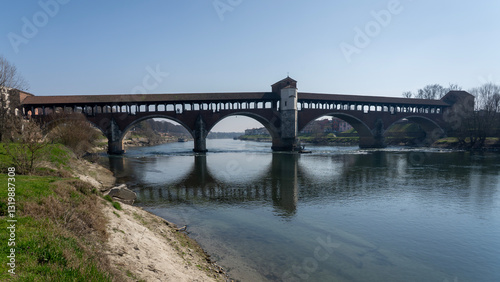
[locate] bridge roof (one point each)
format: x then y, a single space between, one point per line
148 98
215 97
369 99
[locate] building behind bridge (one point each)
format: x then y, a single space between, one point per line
11 99
10 108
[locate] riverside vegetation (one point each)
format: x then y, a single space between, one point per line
400 134
67 230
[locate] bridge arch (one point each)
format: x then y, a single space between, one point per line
137 121
433 131
361 127
262 120
55 120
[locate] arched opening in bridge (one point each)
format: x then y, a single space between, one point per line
153 130
74 131
333 129
413 131
243 127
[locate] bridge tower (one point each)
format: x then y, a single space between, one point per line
287 89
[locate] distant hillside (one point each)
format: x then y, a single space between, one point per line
224 135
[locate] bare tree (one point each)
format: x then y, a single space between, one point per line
407 94
431 91
487 97
484 120
10 77
453 87
10 80
28 150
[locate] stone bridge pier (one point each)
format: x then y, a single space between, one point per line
199 134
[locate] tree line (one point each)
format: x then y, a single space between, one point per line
472 126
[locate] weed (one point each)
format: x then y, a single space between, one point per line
117 206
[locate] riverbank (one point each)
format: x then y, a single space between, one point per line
490 144
67 231
145 142
146 247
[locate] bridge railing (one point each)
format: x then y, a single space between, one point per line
134 108
369 107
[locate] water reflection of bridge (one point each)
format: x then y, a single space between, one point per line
276 184
288 177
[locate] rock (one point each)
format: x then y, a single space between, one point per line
123 194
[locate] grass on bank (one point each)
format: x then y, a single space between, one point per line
55 156
453 142
60 228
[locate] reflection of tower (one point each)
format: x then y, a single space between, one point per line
287 89
284 186
199 176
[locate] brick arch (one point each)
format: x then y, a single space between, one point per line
432 129
135 122
261 119
47 125
362 128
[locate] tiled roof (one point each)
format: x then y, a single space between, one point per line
215 97
286 79
148 98
368 99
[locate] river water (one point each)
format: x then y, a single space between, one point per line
338 214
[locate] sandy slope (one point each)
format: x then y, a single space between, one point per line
143 246
151 250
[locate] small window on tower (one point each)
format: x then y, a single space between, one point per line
285 103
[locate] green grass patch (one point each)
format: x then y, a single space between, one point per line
58 155
45 253
117 206
447 140
57 228
28 189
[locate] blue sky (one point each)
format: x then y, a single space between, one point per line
109 47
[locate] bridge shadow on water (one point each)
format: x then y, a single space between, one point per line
282 180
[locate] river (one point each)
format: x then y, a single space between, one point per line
337 214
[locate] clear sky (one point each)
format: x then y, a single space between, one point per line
351 47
